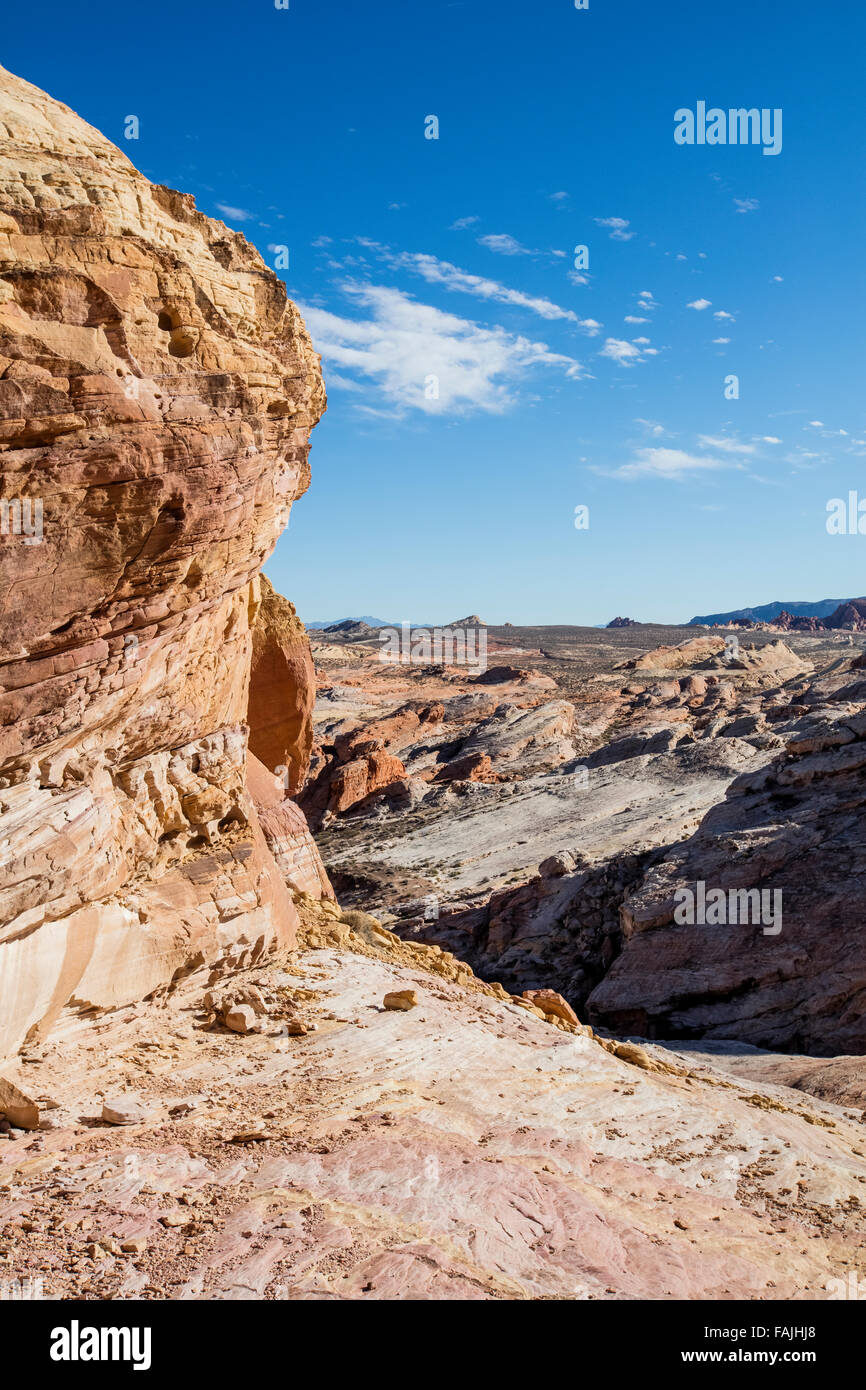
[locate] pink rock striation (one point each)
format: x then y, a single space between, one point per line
157 392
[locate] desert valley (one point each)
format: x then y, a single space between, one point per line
331 977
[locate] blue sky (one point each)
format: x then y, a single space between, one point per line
453 258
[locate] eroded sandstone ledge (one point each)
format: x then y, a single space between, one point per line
157 392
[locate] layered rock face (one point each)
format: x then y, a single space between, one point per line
282 690
793 976
157 391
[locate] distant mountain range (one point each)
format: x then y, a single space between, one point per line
766 612
332 622
474 621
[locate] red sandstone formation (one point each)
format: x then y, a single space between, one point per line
282 690
157 392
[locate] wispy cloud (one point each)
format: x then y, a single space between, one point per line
423 359
725 444
504 244
462 223
746 204
451 277
672 464
236 214
724 316
618 227
700 304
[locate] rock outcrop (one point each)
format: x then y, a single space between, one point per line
792 977
157 391
282 690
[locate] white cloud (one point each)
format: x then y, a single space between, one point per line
557 197
770 439
672 464
618 227
503 244
651 426
746 204
402 344
626 354
700 304
576 278
641 341
724 444
235 214
462 223
721 340
633 318
777 279
724 315
437 272
817 424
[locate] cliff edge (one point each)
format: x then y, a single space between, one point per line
157 393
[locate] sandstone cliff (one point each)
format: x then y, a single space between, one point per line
157 392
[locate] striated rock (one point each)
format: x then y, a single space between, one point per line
287 833
157 391
525 741
489 1157
689 653
282 690
792 976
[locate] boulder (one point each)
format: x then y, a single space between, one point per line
400 999
551 1003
